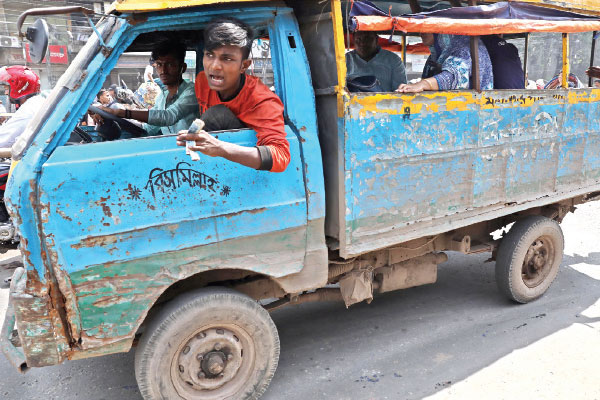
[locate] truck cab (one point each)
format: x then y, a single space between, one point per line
110 228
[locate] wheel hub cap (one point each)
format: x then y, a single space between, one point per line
210 359
214 363
538 262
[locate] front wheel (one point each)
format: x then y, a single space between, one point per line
529 258
209 344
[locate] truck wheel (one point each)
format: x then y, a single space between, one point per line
212 343
528 258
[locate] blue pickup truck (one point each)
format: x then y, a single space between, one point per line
130 243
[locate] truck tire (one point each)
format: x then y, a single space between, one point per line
211 343
528 258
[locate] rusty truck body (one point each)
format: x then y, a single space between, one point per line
130 242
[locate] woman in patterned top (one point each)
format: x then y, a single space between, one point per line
449 66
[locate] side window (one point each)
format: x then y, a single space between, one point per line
373 63
133 84
262 66
545 57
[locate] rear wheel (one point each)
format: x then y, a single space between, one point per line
529 258
209 344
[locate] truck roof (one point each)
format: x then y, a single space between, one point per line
585 6
157 5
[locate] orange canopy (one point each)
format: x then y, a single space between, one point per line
471 27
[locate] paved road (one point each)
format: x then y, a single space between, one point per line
456 339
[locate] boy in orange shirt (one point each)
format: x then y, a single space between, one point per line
230 99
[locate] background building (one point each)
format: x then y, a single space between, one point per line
68 34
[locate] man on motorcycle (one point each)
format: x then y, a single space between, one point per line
23 90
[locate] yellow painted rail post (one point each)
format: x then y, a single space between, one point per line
565 60
340 53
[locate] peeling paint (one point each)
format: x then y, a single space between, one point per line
426 162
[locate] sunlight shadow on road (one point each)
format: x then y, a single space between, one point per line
547 369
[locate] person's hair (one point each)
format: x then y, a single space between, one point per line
171 47
101 92
228 32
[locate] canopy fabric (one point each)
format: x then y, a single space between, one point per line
365 7
503 17
471 27
505 10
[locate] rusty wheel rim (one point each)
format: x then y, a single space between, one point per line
538 261
213 363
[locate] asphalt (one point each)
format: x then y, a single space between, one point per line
455 339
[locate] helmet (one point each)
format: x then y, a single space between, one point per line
23 82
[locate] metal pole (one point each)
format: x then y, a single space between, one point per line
340 52
592 56
475 63
415 7
525 58
565 60
404 48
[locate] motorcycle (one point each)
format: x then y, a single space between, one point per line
8 237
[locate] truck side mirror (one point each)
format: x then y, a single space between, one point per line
38 34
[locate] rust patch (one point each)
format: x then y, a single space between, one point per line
105 207
34 286
256 211
58 313
24 250
62 214
107 240
41 346
64 300
137 19
51 137
95 241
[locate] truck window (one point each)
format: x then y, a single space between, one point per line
507 57
134 84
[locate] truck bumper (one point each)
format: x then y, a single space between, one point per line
40 338
14 354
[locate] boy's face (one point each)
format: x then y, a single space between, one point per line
223 67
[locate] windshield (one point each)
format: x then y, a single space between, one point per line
70 80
